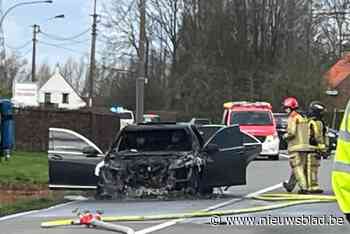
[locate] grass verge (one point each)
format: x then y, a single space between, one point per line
23 184
23 169
29 204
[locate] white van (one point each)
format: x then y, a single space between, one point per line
126 116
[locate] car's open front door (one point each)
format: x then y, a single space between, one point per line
227 166
207 131
72 160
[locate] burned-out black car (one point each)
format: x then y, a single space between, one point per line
162 158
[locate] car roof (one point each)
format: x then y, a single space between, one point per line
159 126
255 109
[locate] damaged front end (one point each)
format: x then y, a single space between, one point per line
149 174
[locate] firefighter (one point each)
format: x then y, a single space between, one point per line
317 139
298 145
341 170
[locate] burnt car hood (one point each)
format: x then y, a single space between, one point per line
127 155
151 161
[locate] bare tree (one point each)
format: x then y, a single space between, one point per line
74 72
332 21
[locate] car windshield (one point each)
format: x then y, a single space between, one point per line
251 118
155 140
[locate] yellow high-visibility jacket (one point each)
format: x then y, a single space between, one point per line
298 133
341 170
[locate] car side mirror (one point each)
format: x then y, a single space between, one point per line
90 151
211 148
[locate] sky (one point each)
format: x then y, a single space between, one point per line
18 29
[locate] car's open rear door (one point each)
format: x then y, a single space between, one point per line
69 165
227 166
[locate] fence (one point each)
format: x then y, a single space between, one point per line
32 125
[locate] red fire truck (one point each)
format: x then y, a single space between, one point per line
255 118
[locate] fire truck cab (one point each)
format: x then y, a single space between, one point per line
255 118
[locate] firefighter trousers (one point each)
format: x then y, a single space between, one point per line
312 167
297 161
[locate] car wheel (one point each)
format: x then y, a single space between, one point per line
274 157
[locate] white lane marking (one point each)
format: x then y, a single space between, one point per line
35 211
159 226
265 190
175 221
284 155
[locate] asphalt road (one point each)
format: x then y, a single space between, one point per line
263 176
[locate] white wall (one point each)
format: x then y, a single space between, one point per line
57 86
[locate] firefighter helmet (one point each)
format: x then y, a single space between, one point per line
316 108
291 103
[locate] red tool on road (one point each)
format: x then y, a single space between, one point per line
91 220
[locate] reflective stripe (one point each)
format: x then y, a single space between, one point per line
346 116
344 135
302 147
341 167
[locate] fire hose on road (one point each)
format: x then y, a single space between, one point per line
288 200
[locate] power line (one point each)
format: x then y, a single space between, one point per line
61 47
73 42
25 53
19 47
59 38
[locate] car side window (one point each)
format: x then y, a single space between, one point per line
249 139
207 132
228 137
68 141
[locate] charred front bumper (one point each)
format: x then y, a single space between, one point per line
148 175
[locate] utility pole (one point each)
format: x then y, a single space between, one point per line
140 81
36 30
92 55
2 50
309 32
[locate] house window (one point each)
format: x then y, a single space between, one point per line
65 98
47 98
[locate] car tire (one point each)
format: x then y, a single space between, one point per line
274 157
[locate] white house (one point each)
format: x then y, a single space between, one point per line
57 90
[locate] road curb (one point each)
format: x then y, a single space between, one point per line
13 216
